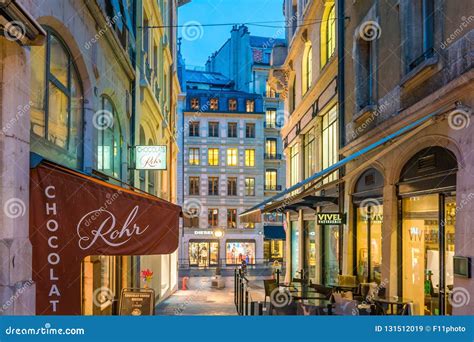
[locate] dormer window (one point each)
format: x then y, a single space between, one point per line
195 103
250 106
214 103
232 105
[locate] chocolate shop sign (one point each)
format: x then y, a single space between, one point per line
330 218
73 216
150 157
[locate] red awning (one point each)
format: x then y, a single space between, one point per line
73 216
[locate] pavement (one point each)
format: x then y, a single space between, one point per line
202 299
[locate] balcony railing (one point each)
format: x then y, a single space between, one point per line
270 125
272 187
272 156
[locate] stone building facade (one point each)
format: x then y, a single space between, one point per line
85 68
403 191
223 171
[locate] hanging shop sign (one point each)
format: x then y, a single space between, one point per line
330 218
73 216
137 302
150 157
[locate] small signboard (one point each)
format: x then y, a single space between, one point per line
330 218
150 157
137 302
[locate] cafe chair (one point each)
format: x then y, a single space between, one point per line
290 309
269 285
347 281
344 306
326 291
407 310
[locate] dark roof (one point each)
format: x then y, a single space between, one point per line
267 42
224 92
206 77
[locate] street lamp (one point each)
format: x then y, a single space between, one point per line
218 233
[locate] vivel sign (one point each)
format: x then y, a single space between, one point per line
330 218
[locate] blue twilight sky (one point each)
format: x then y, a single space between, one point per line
199 42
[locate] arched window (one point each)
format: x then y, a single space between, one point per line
57 106
328 34
307 67
110 141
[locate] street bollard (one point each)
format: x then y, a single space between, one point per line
246 307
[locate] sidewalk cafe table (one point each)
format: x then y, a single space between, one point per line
395 304
309 307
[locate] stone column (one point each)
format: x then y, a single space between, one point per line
17 291
300 239
288 248
390 239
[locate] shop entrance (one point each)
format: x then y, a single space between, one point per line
368 205
203 253
428 219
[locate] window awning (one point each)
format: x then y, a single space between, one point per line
274 232
73 215
294 191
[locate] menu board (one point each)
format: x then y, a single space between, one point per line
137 302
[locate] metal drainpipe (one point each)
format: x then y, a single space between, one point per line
135 259
341 104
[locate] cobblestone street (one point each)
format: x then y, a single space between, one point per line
202 299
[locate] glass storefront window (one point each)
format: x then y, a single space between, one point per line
203 254
295 264
422 276
273 249
238 251
369 230
312 261
331 254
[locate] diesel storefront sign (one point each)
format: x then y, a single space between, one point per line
73 216
330 218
